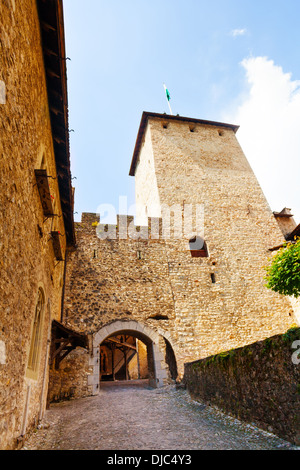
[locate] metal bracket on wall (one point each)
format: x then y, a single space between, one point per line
54 215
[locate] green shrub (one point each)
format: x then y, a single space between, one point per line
283 275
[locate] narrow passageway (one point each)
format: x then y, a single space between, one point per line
129 415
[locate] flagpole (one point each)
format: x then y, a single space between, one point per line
166 91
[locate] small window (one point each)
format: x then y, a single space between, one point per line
192 128
165 125
198 247
159 317
221 133
213 278
36 336
139 254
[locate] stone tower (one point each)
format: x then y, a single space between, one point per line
220 298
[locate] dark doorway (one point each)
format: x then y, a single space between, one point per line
171 360
123 357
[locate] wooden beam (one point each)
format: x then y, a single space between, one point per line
57 351
116 341
50 52
68 350
47 27
55 110
52 73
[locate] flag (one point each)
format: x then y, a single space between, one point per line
168 97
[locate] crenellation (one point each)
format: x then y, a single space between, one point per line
124 228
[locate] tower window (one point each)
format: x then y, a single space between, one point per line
213 278
165 125
198 247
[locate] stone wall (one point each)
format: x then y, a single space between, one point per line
70 380
27 260
296 306
111 280
259 383
157 283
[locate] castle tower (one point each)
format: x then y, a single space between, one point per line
220 298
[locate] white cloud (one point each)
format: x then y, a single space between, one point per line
238 32
269 116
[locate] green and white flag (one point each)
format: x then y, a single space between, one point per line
168 97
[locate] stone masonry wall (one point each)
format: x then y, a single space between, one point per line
134 279
70 380
27 260
296 306
259 383
110 280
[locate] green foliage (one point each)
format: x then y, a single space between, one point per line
283 275
268 344
291 335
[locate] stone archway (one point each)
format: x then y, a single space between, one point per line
157 367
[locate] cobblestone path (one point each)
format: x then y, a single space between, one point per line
132 416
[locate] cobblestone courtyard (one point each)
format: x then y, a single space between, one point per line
132 416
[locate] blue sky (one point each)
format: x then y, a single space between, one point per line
234 61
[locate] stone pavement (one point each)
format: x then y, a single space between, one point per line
132 416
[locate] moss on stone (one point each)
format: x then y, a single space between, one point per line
291 335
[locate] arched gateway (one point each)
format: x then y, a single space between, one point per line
153 340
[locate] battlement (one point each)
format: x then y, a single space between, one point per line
89 217
173 225
124 228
